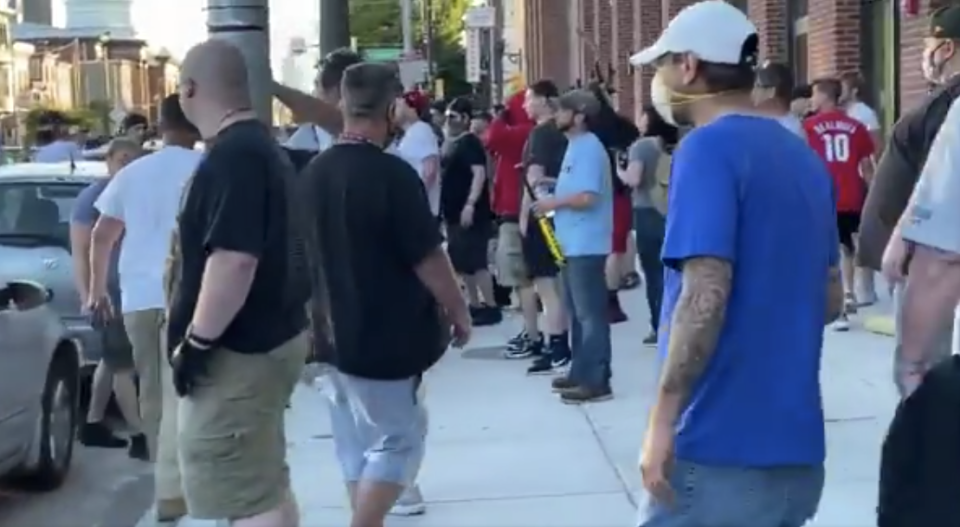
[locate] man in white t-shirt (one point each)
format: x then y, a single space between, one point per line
859 110
419 145
141 203
319 111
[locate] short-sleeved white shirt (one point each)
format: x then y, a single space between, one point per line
417 144
865 114
310 137
145 195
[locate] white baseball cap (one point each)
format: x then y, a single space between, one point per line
713 30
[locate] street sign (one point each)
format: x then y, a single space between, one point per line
472 61
480 17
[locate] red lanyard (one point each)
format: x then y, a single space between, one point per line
355 139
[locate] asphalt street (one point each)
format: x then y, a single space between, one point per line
105 488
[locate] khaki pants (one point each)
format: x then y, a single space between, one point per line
158 401
233 445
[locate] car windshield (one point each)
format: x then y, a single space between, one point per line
37 210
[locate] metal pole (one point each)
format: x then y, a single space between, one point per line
406 24
429 52
246 24
496 52
334 25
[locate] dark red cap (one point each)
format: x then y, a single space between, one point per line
416 100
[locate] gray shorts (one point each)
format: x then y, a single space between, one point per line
117 351
379 428
710 496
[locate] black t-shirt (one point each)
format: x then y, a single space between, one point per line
899 169
545 146
369 225
457 159
238 201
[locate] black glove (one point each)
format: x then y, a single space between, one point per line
189 362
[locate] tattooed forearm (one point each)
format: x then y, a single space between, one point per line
696 324
834 295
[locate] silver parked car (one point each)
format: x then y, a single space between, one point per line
36 202
39 386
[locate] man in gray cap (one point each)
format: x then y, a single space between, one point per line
582 209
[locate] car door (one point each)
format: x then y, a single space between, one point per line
18 358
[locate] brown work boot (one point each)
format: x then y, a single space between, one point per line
171 510
582 394
562 384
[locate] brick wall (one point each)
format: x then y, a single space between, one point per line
912 30
550 43
624 33
617 28
833 38
771 18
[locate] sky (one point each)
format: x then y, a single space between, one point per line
179 24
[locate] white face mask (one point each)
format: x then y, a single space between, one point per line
660 97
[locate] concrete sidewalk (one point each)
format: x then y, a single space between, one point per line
504 452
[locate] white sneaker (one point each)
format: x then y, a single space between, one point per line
410 503
842 323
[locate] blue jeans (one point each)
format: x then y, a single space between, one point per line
585 296
712 496
649 225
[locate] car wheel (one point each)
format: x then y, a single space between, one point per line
52 451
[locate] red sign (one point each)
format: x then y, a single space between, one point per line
910 7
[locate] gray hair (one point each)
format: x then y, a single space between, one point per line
368 89
124 144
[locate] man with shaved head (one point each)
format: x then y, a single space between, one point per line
236 320
391 293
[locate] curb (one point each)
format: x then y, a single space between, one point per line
880 324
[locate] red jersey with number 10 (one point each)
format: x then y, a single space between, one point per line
843 143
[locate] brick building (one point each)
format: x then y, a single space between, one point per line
565 39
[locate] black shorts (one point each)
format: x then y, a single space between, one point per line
536 253
848 224
467 247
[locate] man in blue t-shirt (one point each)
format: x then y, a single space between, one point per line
582 205
736 432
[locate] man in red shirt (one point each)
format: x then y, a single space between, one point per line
846 146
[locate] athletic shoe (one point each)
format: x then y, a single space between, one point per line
410 503
530 349
518 342
650 339
842 323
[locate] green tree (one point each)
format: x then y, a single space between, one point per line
376 23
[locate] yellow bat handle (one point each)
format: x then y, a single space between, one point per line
551 239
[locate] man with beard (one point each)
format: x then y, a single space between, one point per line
465 208
385 294
730 418
582 209
897 174
318 112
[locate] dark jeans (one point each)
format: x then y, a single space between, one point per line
585 296
649 226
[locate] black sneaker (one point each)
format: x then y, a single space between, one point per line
543 365
485 315
530 348
651 339
517 343
99 435
582 395
138 448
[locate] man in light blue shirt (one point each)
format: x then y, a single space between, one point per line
583 219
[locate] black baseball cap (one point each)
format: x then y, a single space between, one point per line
945 23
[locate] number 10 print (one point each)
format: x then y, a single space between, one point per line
836 147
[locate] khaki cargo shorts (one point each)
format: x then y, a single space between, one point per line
510 263
232 442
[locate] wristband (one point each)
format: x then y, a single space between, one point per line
199 342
